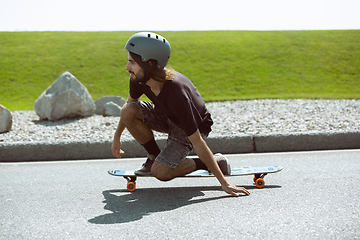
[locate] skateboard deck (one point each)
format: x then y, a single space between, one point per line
258 172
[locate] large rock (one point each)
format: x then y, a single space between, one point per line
65 98
111 109
100 103
5 119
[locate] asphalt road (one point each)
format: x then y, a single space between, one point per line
315 196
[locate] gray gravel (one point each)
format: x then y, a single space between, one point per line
230 118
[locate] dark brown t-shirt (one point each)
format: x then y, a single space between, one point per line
181 102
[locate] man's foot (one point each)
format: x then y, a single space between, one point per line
145 169
222 161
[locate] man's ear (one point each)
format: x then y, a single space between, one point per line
152 63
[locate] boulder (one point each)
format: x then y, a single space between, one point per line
5 119
100 103
111 109
65 98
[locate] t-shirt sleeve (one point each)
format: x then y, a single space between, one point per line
135 90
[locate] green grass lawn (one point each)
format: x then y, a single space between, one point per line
224 65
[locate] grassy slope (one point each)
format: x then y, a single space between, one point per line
289 64
224 65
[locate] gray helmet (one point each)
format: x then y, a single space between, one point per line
150 46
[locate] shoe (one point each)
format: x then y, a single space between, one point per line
222 161
145 169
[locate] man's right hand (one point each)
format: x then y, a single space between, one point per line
116 148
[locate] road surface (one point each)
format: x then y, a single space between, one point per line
315 196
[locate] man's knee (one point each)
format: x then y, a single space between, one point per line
161 172
129 112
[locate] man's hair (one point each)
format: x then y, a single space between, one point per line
152 71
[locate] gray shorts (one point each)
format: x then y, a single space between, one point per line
178 145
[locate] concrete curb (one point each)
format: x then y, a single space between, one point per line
42 151
307 141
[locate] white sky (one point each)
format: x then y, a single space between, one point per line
157 15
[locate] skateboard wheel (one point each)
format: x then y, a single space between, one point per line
254 179
260 183
131 186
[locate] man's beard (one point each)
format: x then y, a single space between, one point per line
140 77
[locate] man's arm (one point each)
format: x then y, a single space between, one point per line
205 154
116 145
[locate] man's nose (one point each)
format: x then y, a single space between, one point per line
127 67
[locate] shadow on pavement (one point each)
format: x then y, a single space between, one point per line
128 207
132 206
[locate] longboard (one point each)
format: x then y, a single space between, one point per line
258 172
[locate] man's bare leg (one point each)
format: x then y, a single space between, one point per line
132 118
165 173
133 121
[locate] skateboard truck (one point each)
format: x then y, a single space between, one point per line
131 185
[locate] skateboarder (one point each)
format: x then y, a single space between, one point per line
176 108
